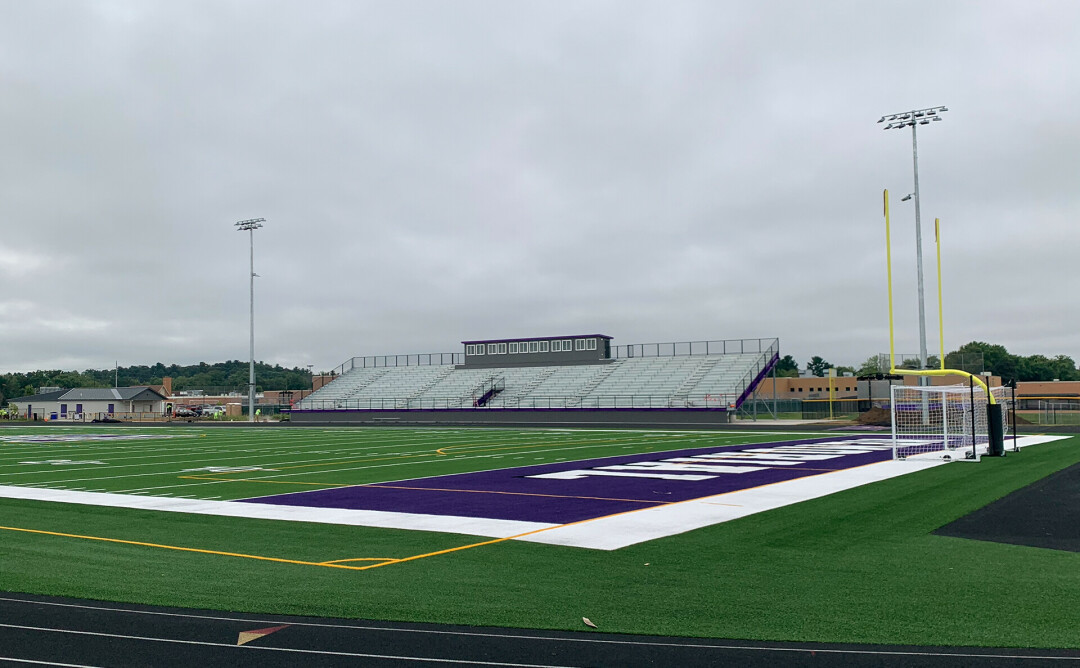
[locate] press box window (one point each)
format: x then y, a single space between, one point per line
590 344
543 346
502 348
579 344
523 347
492 349
556 346
533 346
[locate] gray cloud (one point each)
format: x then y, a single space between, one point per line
433 172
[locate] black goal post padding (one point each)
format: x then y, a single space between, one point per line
995 431
1012 415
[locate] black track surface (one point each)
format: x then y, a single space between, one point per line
1043 514
39 630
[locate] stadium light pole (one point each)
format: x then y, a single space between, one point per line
250 226
913 119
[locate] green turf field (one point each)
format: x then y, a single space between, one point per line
237 463
857 566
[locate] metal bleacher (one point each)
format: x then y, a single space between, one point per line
692 380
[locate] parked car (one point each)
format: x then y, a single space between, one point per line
183 411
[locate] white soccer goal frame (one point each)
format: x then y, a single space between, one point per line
936 421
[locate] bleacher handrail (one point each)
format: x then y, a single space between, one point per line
415 359
668 349
756 374
677 348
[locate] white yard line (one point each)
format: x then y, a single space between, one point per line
604 533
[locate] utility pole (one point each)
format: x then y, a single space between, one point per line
899 121
250 226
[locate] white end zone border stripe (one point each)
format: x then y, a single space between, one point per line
617 531
477 526
603 533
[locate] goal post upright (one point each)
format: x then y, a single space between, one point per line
942 370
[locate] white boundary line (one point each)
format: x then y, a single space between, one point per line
617 531
603 533
476 526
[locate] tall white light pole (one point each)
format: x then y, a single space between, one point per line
899 121
250 226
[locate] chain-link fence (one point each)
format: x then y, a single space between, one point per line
970 362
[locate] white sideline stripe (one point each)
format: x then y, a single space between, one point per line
604 533
477 526
617 531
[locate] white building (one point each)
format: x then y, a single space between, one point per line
84 404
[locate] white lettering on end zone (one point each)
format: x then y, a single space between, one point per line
584 473
712 465
669 465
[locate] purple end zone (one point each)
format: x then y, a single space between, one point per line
516 494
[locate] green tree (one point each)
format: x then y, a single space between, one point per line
1041 367
870 367
818 366
995 359
231 375
1064 368
787 367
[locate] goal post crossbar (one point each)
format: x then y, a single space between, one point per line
947 372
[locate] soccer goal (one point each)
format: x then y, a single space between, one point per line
949 422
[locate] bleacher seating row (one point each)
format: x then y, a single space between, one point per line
686 381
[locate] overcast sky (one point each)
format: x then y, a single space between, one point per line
432 172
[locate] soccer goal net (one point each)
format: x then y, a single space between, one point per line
944 421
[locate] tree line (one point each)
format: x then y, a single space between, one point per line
229 376
973 357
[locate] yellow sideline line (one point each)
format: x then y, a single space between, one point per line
454 549
591 519
326 564
387 562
